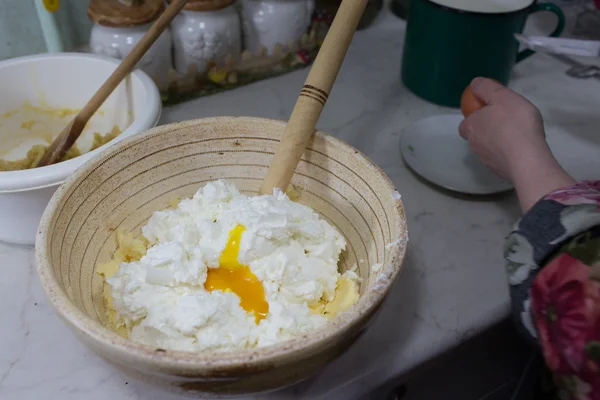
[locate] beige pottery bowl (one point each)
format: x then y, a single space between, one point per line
123 186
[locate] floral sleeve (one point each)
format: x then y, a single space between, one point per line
553 262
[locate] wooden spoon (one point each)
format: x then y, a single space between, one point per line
313 96
73 130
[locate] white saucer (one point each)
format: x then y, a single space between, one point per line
433 149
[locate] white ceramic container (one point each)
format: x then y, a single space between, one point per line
64 80
203 36
117 42
268 22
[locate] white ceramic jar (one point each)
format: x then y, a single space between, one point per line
268 22
117 42
203 36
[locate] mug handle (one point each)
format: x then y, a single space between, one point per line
560 25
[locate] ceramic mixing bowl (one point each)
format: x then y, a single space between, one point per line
60 81
121 189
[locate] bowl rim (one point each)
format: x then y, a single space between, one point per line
214 361
53 175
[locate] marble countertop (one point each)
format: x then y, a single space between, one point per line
453 284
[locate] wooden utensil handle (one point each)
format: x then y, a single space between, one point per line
313 96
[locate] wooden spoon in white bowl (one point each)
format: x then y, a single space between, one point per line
73 130
313 96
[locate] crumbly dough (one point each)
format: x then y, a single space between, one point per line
35 154
129 249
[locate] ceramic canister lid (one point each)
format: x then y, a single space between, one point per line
124 13
206 5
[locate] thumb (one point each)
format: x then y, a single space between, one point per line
485 89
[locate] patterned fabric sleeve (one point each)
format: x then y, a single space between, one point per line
553 263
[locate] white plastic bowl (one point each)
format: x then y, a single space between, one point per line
64 80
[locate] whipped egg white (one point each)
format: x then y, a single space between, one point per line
173 297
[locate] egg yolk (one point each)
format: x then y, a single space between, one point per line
231 276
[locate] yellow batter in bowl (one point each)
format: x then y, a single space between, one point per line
41 124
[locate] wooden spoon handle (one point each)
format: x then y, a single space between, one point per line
313 96
70 134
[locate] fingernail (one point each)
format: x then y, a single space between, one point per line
476 81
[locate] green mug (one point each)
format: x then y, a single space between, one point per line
450 42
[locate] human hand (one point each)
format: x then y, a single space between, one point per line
507 131
507 134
